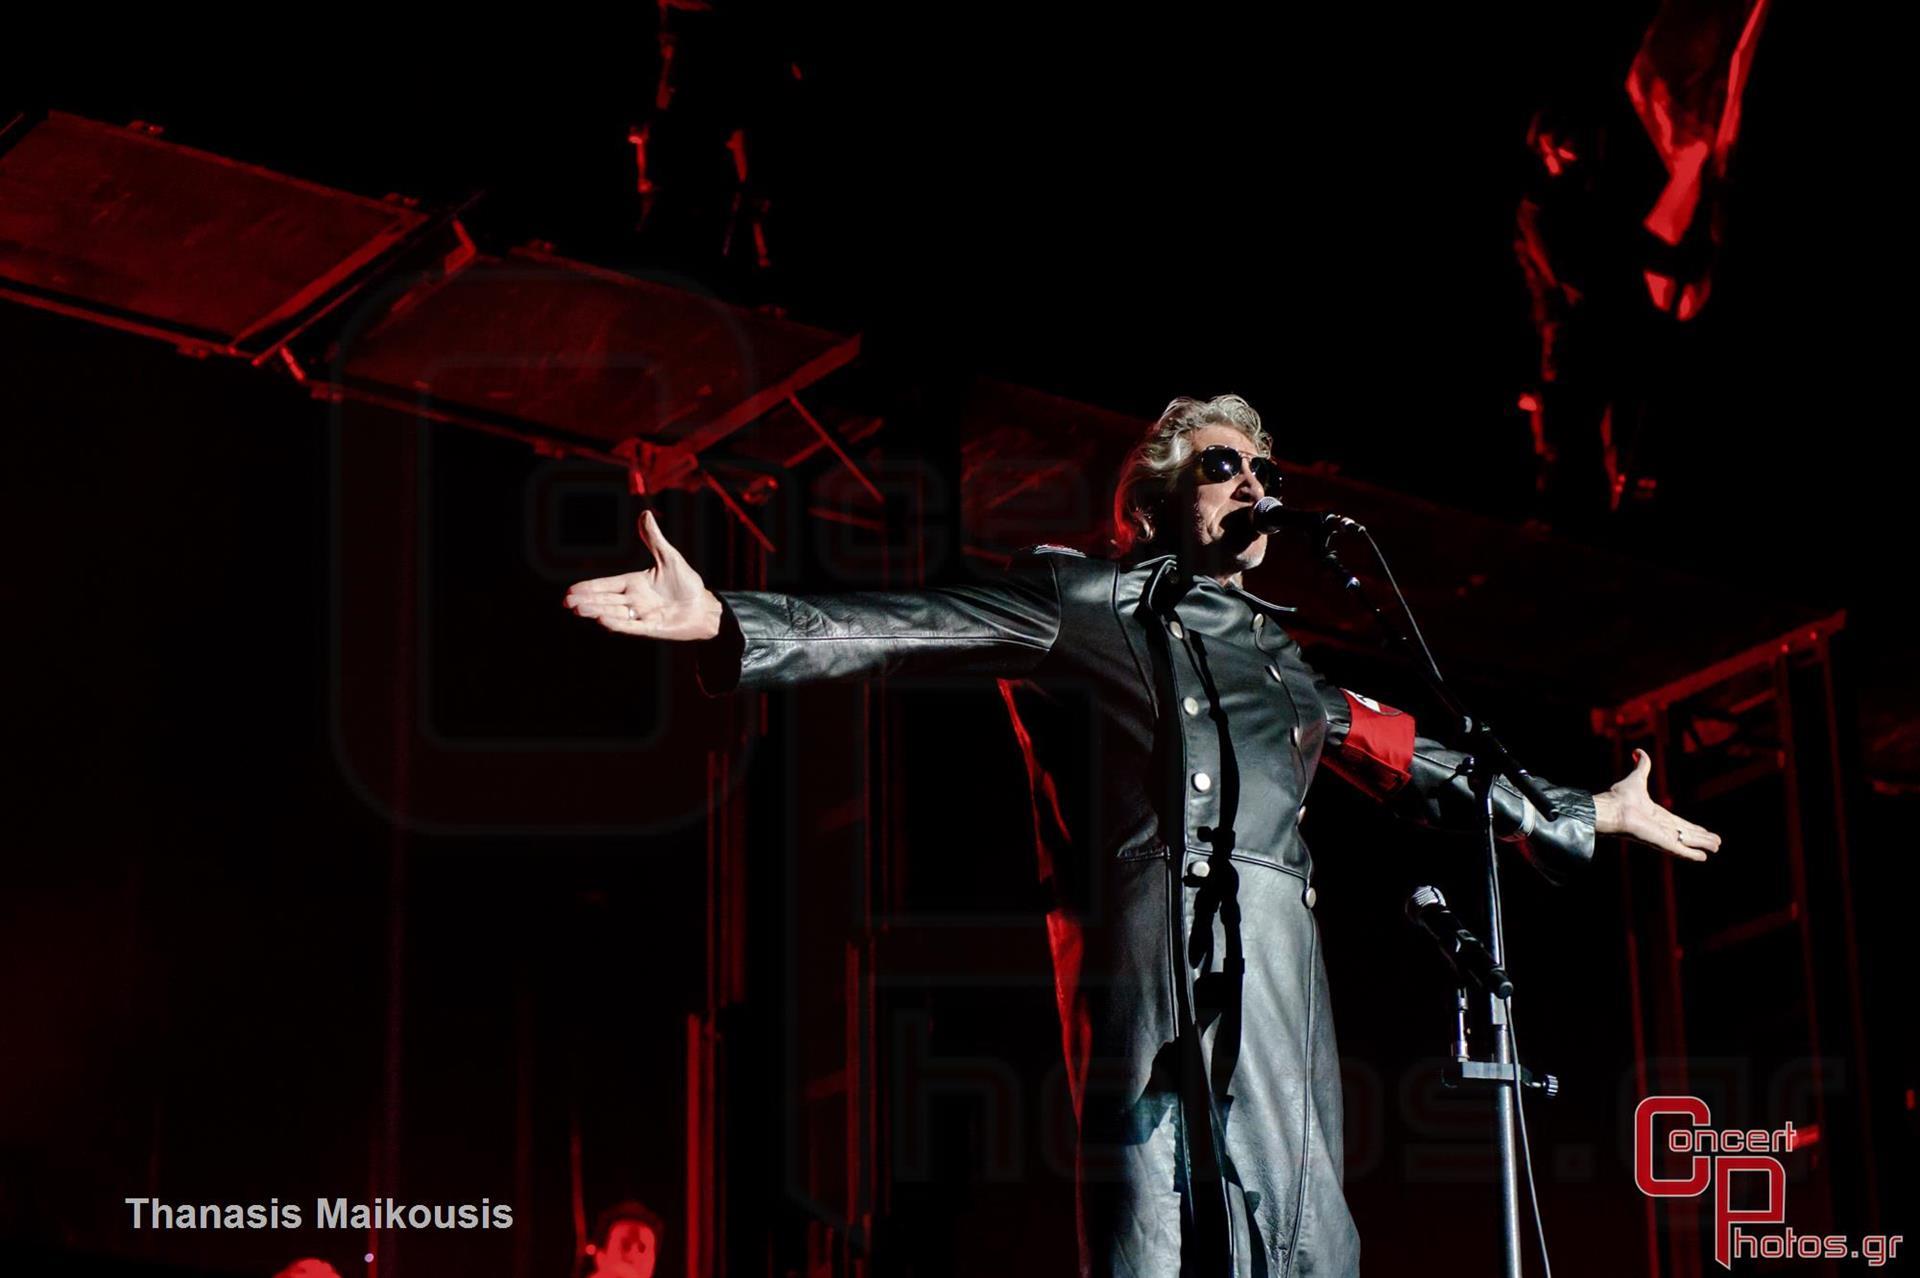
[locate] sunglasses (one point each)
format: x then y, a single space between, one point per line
1219 462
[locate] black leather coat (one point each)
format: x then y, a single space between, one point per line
1192 992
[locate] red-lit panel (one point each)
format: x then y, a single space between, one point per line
545 347
118 226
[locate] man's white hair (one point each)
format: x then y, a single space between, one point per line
1154 464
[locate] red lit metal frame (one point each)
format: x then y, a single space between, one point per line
585 362
1784 688
116 226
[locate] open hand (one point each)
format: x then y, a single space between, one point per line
666 601
1626 808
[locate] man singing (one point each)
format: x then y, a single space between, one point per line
1192 992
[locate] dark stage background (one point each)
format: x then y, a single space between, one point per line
244 959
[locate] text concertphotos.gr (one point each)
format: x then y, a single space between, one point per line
328 1213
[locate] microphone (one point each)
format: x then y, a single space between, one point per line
1427 910
1269 515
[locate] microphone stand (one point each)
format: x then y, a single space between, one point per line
1486 748
1488 759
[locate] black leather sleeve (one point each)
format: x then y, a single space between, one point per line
1439 793
1003 627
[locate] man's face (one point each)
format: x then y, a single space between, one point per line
629 1253
1216 538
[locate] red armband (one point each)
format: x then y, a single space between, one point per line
1377 754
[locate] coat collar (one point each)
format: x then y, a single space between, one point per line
1258 602
1168 583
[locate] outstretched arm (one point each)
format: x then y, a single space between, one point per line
1380 750
759 639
